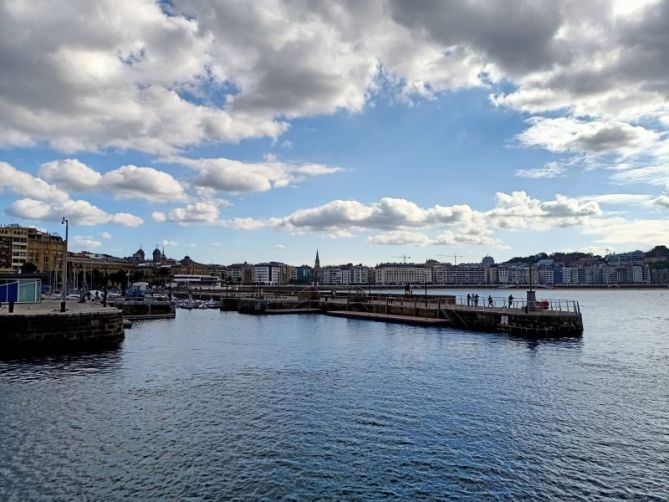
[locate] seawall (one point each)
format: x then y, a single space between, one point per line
40 327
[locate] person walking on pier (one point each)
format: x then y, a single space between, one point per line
489 300
510 301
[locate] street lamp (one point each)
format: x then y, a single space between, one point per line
67 227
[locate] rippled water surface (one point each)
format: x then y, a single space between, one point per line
216 404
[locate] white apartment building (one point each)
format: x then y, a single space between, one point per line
267 273
403 273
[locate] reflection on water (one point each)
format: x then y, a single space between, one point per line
215 404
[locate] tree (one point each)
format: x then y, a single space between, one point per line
28 268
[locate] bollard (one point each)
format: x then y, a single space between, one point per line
62 306
11 307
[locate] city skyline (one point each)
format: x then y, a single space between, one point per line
370 131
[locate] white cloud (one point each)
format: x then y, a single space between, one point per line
634 232
662 200
70 174
618 198
160 77
198 212
279 247
78 212
550 170
657 175
87 243
111 75
106 235
126 219
519 210
143 182
228 175
565 134
401 237
246 223
124 182
26 185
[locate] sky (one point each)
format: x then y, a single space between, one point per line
257 131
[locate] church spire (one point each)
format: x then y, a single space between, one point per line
317 269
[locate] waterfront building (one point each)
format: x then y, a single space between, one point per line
631 258
288 274
546 275
303 274
468 273
402 273
45 251
19 245
201 281
492 275
267 273
13 248
240 273
487 261
440 272
6 257
188 266
139 255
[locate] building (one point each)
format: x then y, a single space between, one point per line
139 255
19 245
267 273
288 274
402 273
45 251
303 274
198 281
13 248
240 273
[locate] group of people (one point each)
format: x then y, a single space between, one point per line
473 300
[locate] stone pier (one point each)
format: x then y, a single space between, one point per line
42 327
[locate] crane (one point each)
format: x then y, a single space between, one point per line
454 256
403 257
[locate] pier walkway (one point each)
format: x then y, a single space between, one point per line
528 317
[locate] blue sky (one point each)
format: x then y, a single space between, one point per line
265 131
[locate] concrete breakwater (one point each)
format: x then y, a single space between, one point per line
526 318
145 308
39 327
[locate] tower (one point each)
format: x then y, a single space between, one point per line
317 269
156 255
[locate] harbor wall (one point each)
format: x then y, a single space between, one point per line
140 309
513 321
69 330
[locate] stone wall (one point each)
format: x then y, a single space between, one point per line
69 330
138 309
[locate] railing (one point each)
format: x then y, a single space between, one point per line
418 301
548 304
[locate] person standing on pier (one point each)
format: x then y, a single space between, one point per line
476 300
510 301
489 300
469 299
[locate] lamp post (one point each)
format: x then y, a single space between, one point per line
67 228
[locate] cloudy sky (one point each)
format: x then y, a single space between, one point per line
231 130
